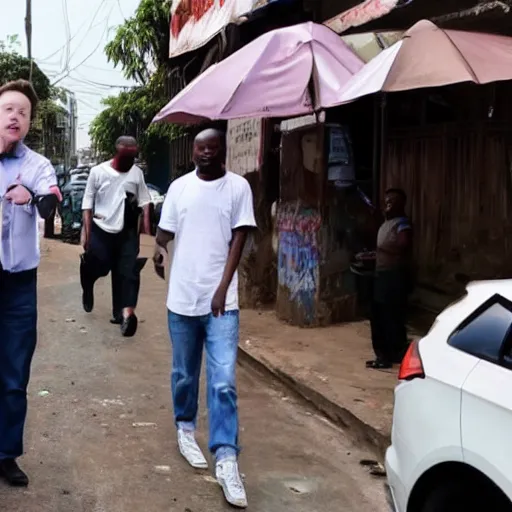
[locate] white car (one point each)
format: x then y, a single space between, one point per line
452 427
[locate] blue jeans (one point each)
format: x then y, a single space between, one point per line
18 334
219 336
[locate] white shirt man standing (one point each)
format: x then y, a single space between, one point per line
208 213
114 197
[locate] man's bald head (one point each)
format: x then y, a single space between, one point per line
210 133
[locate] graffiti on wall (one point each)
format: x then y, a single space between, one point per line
298 255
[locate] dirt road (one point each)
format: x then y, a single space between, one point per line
100 436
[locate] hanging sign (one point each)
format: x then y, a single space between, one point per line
244 145
195 22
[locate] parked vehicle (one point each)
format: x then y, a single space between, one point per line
451 447
71 209
157 201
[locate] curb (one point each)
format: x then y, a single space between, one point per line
358 430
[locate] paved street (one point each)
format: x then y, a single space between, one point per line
100 436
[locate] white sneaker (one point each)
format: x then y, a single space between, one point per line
190 449
229 479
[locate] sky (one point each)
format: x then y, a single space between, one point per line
72 50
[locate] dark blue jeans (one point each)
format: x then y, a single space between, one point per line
18 335
219 337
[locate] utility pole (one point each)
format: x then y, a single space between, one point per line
28 33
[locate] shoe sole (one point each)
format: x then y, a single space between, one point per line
195 466
233 503
201 465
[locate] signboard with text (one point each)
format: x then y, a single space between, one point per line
244 145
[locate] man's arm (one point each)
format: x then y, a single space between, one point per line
87 207
165 231
144 199
236 250
242 223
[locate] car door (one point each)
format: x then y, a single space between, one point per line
486 401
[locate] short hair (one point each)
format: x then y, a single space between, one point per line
23 87
398 192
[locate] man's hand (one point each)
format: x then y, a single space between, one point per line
159 260
84 238
219 302
19 195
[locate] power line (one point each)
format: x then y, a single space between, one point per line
121 9
83 80
88 56
67 29
91 26
88 105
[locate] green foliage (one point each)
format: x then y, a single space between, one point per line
141 44
141 48
44 135
13 67
131 113
11 44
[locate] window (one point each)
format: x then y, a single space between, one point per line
485 333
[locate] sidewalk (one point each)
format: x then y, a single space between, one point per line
327 367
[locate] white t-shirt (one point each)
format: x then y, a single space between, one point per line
106 191
202 215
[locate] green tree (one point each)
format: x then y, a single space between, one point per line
141 44
14 66
141 48
131 113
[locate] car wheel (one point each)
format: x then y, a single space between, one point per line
455 496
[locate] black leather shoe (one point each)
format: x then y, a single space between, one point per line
129 326
116 320
12 474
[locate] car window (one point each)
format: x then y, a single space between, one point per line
484 333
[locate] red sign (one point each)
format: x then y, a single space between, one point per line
361 14
195 22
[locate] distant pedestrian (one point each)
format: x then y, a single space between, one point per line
393 283
27 184
115 196
208 213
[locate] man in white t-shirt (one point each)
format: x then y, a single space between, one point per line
114 197
208 213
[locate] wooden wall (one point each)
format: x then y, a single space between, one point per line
458 178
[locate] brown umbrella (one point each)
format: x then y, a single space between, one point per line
429 56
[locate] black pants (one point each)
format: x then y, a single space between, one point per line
389 315
116 253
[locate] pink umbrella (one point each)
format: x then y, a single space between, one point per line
269 78
428 56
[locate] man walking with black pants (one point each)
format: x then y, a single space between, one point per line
115 195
